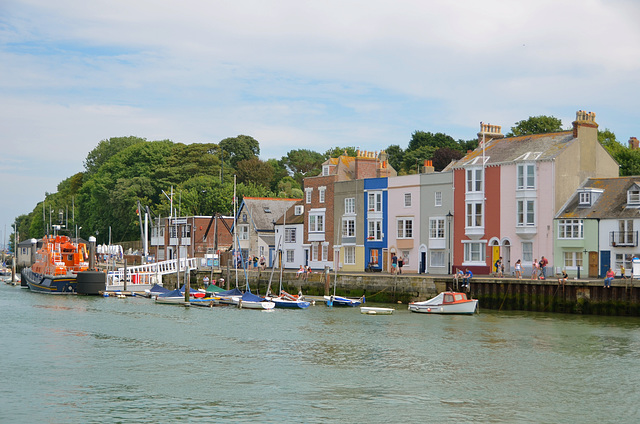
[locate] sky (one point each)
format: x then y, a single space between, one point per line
297 74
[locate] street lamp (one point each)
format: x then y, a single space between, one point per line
449 217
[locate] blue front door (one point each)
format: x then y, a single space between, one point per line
605 262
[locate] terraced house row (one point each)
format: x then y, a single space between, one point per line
556 195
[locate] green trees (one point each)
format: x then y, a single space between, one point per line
536 125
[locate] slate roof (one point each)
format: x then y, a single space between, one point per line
527 147
292 218
611 203
262 211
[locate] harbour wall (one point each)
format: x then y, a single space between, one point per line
574 297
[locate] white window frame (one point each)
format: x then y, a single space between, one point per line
436 228
474 180
437 258
307 192
474 214
526 176
325 170
321 194
349 227
405 228
325 252
438 198
633 196
374 229
350 206
375 201
526 213
584 198
314 252
572 260
475 252
407 200
316 222
243 232
527 251
290 256
349 255
290 235
570 229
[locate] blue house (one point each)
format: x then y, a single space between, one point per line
375 222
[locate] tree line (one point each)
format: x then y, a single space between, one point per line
122 171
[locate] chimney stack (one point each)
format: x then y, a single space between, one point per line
428 167
584 119
634 143
489 132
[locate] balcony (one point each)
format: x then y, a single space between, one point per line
623 238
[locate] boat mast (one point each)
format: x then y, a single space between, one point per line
235 230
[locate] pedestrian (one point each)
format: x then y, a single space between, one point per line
609 278
622 272
205 281
262 262
498 267
394 263
563 278
400 264
543 267
535 266
518 269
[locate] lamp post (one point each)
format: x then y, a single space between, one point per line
449 216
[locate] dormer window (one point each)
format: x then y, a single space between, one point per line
585 198
633 196
326 169
299 209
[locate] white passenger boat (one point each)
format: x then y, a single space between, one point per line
446 303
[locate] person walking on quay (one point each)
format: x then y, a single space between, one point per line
518 269
543 267
263 262
609 278
394 263
534 269
400 264
205 281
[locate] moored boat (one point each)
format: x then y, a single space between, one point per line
370 310
343 301
57 265
446 303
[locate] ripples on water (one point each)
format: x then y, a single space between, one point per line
73 359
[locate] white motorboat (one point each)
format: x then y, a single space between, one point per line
369 310
446 303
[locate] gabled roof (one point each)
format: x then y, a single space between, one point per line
536 147
292 218
611 202
263 211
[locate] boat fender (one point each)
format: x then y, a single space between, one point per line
428 309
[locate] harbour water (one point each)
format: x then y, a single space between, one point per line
76 359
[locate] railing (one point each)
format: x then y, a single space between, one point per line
623 238
149 273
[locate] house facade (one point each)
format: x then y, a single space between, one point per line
376 201
288 238
436 222
404 221
195 236
349 227
598 226
255 221
319 230
510 189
